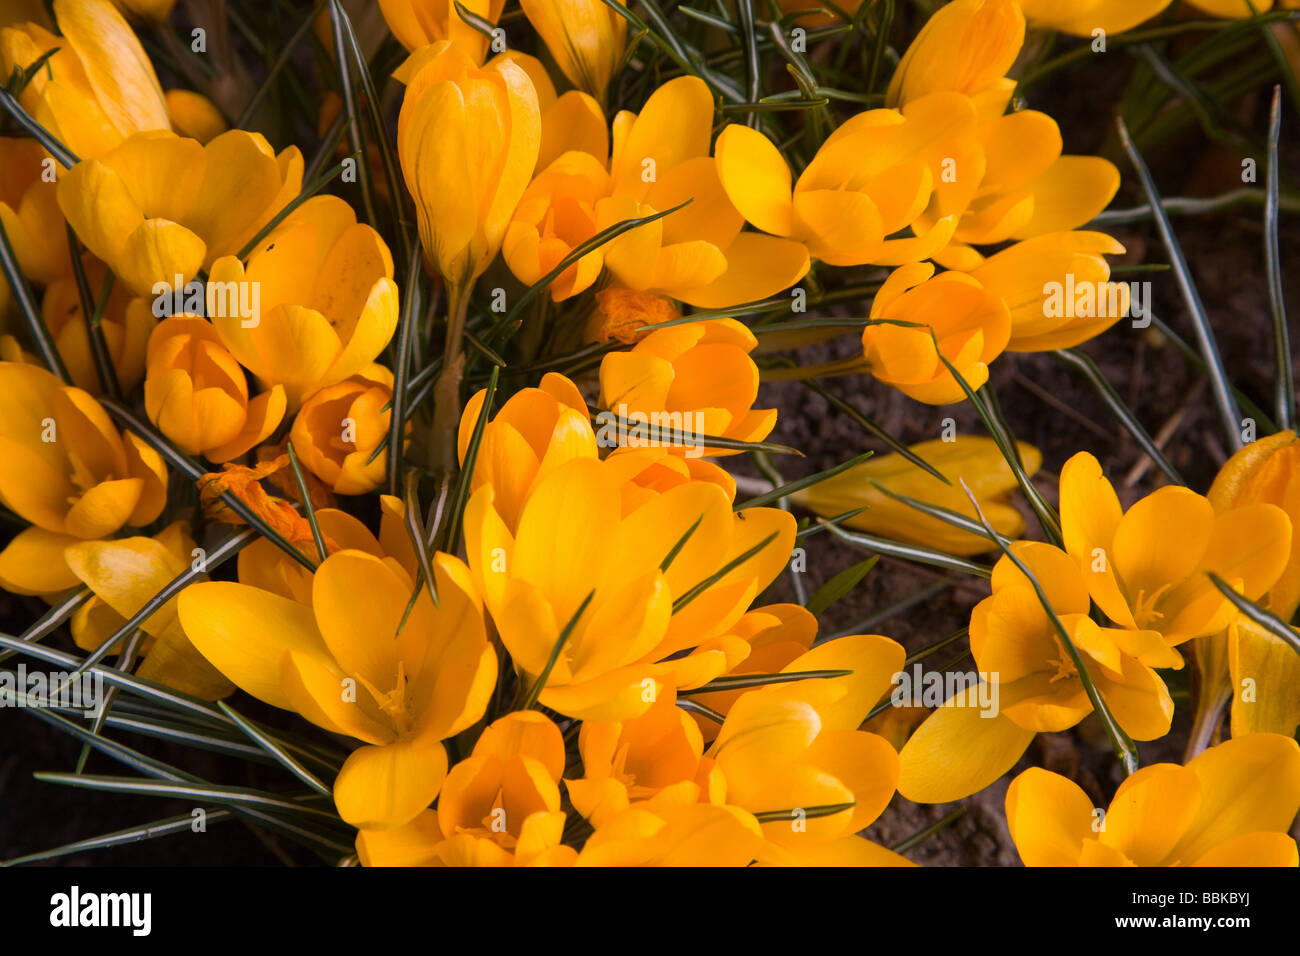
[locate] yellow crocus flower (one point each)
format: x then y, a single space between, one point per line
197 394
1084 17
468 139
1230 806
1025 669
1023 273
967 459
577 562
159 206
327 301
124 575
126 324
103 88
970 326
417 23
966 46
1267 471
586 38
66 469
534 432
352 665
29 211
338 429
1146 567
697 379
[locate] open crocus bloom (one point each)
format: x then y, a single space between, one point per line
655 757
338 429
1027 671
1086 303
1147 567
197 395
159 206
328 303
512 774
971 459
124 575
100 87
970 326
350 664
695 834
556 214
696 379
872 178
787 747
699 253
577 564
1231 806
66 469
421 843
265 566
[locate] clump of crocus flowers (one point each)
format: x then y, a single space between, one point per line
443 453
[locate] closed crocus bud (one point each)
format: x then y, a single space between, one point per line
417 23
339 427
965 47
160 206
586 38
1082 17
685 382
29 211
326 301
468 138
197 395
126 324
67 470
1057 288
970 326
100 87
970 459
1267 471
194 115
535 431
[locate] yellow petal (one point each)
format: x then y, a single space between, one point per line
387 786
959 751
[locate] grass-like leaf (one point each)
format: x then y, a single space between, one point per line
1220 387
908 552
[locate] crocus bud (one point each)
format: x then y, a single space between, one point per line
468 139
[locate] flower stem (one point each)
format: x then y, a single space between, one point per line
446 391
